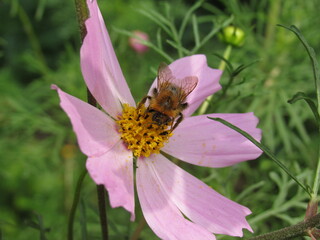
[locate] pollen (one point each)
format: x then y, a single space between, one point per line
142 135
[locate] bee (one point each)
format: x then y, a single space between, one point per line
168 99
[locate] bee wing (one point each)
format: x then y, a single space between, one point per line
188 84
164 76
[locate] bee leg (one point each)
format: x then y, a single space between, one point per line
143 101
155 92
179 120
184 106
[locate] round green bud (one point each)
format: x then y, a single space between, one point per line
232 35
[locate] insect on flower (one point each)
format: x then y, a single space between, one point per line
175 204
168 98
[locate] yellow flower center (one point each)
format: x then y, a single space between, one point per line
142 135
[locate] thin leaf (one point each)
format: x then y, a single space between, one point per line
249 190
178 47
312 55
229 65
187 17
195 30
162 22
83 220
42 229
76 199
296 120
40 9
159 39
263 148
212 33
38 225
302 96
284 132
211 8
243 67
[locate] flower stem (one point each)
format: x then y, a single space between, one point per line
102 211
141 225
82 14
296 230
226 55
75 204
316 179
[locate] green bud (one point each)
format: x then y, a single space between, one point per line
232 35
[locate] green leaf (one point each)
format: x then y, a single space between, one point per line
229 65
302 96
178 47
243 67
249 190
159 39
38 224
157 18
312 55
195 30
83 220
76 200
263 148
216 28
187 17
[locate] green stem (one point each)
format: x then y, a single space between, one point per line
227 22
316 180
75 204
177 39
136 235
272 19
82 14
102 211
222 65
296 230
187 17
226 55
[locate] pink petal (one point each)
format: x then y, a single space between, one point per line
115 171
160 212
96 132
100 67
200 203
201 141
208 79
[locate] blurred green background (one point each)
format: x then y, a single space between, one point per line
40 161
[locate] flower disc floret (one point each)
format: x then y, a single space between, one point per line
140 133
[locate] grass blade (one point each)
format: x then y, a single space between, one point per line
263 148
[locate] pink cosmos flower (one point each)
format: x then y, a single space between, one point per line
168 195
135 43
